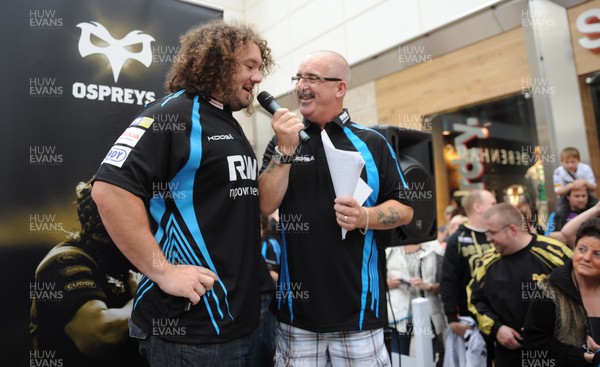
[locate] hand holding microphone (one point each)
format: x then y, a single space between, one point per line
268 102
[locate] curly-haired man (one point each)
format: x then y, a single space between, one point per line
178 194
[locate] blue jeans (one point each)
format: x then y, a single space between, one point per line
265 334
161 353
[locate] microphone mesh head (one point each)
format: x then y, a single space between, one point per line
264 98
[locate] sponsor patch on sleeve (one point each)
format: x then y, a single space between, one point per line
75 269
117 155
79 284
131 136
143 122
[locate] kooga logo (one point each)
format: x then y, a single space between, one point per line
220 137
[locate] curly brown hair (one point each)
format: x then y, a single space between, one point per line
89 217
206 62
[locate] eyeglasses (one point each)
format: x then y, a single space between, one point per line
493 233
312 79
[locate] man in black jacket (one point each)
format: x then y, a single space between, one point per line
463 252
506 281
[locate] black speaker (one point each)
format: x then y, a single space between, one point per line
414 150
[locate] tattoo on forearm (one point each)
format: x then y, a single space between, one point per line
271 166
388 219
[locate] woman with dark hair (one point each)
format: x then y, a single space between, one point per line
578 200
563 322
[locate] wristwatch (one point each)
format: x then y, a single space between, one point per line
280 158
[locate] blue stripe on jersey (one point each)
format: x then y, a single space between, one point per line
170 97
157 210
277 249
391 152
174 243
176 246
369 272
178 251
274 245
284 274
145 285
263 250
370 166
185 179
210 314
374 274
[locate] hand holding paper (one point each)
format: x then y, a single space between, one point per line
345 168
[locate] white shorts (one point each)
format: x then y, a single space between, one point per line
302 348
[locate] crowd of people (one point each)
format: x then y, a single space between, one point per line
224 284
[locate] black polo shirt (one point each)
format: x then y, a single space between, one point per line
328 284
190 162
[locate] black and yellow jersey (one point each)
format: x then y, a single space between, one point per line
463 254
503 286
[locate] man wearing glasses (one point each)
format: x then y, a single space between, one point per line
330 296
506 280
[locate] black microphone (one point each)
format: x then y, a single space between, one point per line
268 102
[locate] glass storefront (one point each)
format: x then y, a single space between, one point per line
494 146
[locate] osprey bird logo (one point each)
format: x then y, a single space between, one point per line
115 50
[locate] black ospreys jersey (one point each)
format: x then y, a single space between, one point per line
503 287
513 280
328 284
463 254
189 160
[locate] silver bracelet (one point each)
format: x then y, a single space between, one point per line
364 232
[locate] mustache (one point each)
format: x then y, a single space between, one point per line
303 93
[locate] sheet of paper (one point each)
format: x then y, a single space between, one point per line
362 192
345 168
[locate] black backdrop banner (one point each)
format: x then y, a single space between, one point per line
73 75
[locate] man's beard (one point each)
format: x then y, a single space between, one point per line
235 103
